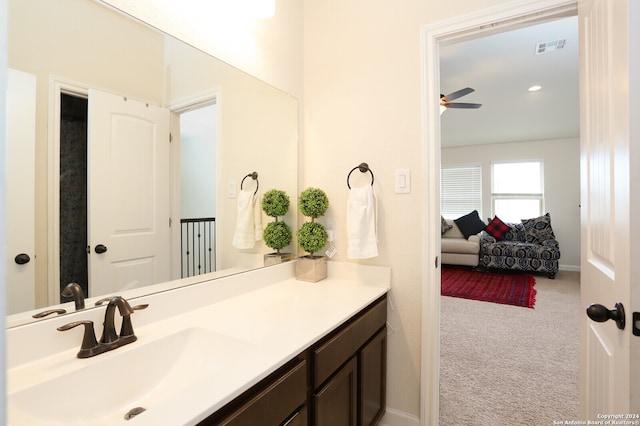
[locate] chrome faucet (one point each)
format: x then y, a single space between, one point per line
75 291
110 339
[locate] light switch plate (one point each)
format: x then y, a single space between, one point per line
231 189
403 181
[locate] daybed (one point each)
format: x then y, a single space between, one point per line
527 246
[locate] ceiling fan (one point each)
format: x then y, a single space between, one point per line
445 100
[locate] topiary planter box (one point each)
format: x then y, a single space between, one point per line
277 258
311 268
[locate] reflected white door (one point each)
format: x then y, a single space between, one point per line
128 193
21 138
610 167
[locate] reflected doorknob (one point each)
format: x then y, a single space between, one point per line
22 259
100 248
600 313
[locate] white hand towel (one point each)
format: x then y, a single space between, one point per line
362 239
249 221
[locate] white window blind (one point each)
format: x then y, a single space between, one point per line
460 190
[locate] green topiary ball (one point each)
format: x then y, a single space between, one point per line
313 202
277 235
275 203
312 237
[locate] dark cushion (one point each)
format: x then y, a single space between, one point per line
470 224
538 229
444 226
497 228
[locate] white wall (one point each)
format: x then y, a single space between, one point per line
561 183
362 102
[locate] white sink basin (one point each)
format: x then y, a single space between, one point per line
102 389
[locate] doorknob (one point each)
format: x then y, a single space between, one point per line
22 259
100 248
600 313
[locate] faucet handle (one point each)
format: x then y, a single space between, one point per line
49 312
89 341
140 307
102 301
127 328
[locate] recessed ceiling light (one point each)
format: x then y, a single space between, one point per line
534 88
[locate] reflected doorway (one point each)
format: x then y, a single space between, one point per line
198 147
73 193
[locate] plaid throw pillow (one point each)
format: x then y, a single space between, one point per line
497 228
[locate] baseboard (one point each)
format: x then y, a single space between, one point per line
571 268
398 418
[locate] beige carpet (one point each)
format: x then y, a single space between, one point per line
507 365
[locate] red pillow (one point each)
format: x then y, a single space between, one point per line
497 228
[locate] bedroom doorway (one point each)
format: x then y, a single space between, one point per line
489 341
435 36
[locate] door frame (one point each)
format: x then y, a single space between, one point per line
204 98
509 16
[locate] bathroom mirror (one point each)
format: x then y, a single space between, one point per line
80 52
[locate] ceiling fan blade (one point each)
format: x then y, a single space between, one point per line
463 105
459 93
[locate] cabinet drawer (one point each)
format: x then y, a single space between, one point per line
276 403
330 355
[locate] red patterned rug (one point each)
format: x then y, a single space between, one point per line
507 288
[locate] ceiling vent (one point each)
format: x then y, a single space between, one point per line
548 46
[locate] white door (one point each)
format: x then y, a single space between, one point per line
21 138
129 239
610 167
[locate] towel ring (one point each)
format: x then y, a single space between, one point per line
363 167
254 176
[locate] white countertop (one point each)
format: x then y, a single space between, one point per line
276 315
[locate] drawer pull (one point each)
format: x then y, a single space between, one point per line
291 419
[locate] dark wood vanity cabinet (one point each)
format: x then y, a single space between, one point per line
349 371
339 381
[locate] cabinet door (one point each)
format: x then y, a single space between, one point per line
373 383
336 403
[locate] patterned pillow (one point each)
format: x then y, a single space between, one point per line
444 226
470 224
497 228
538 229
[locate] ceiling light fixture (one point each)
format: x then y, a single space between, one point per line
534 88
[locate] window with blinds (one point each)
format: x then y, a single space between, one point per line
460 190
